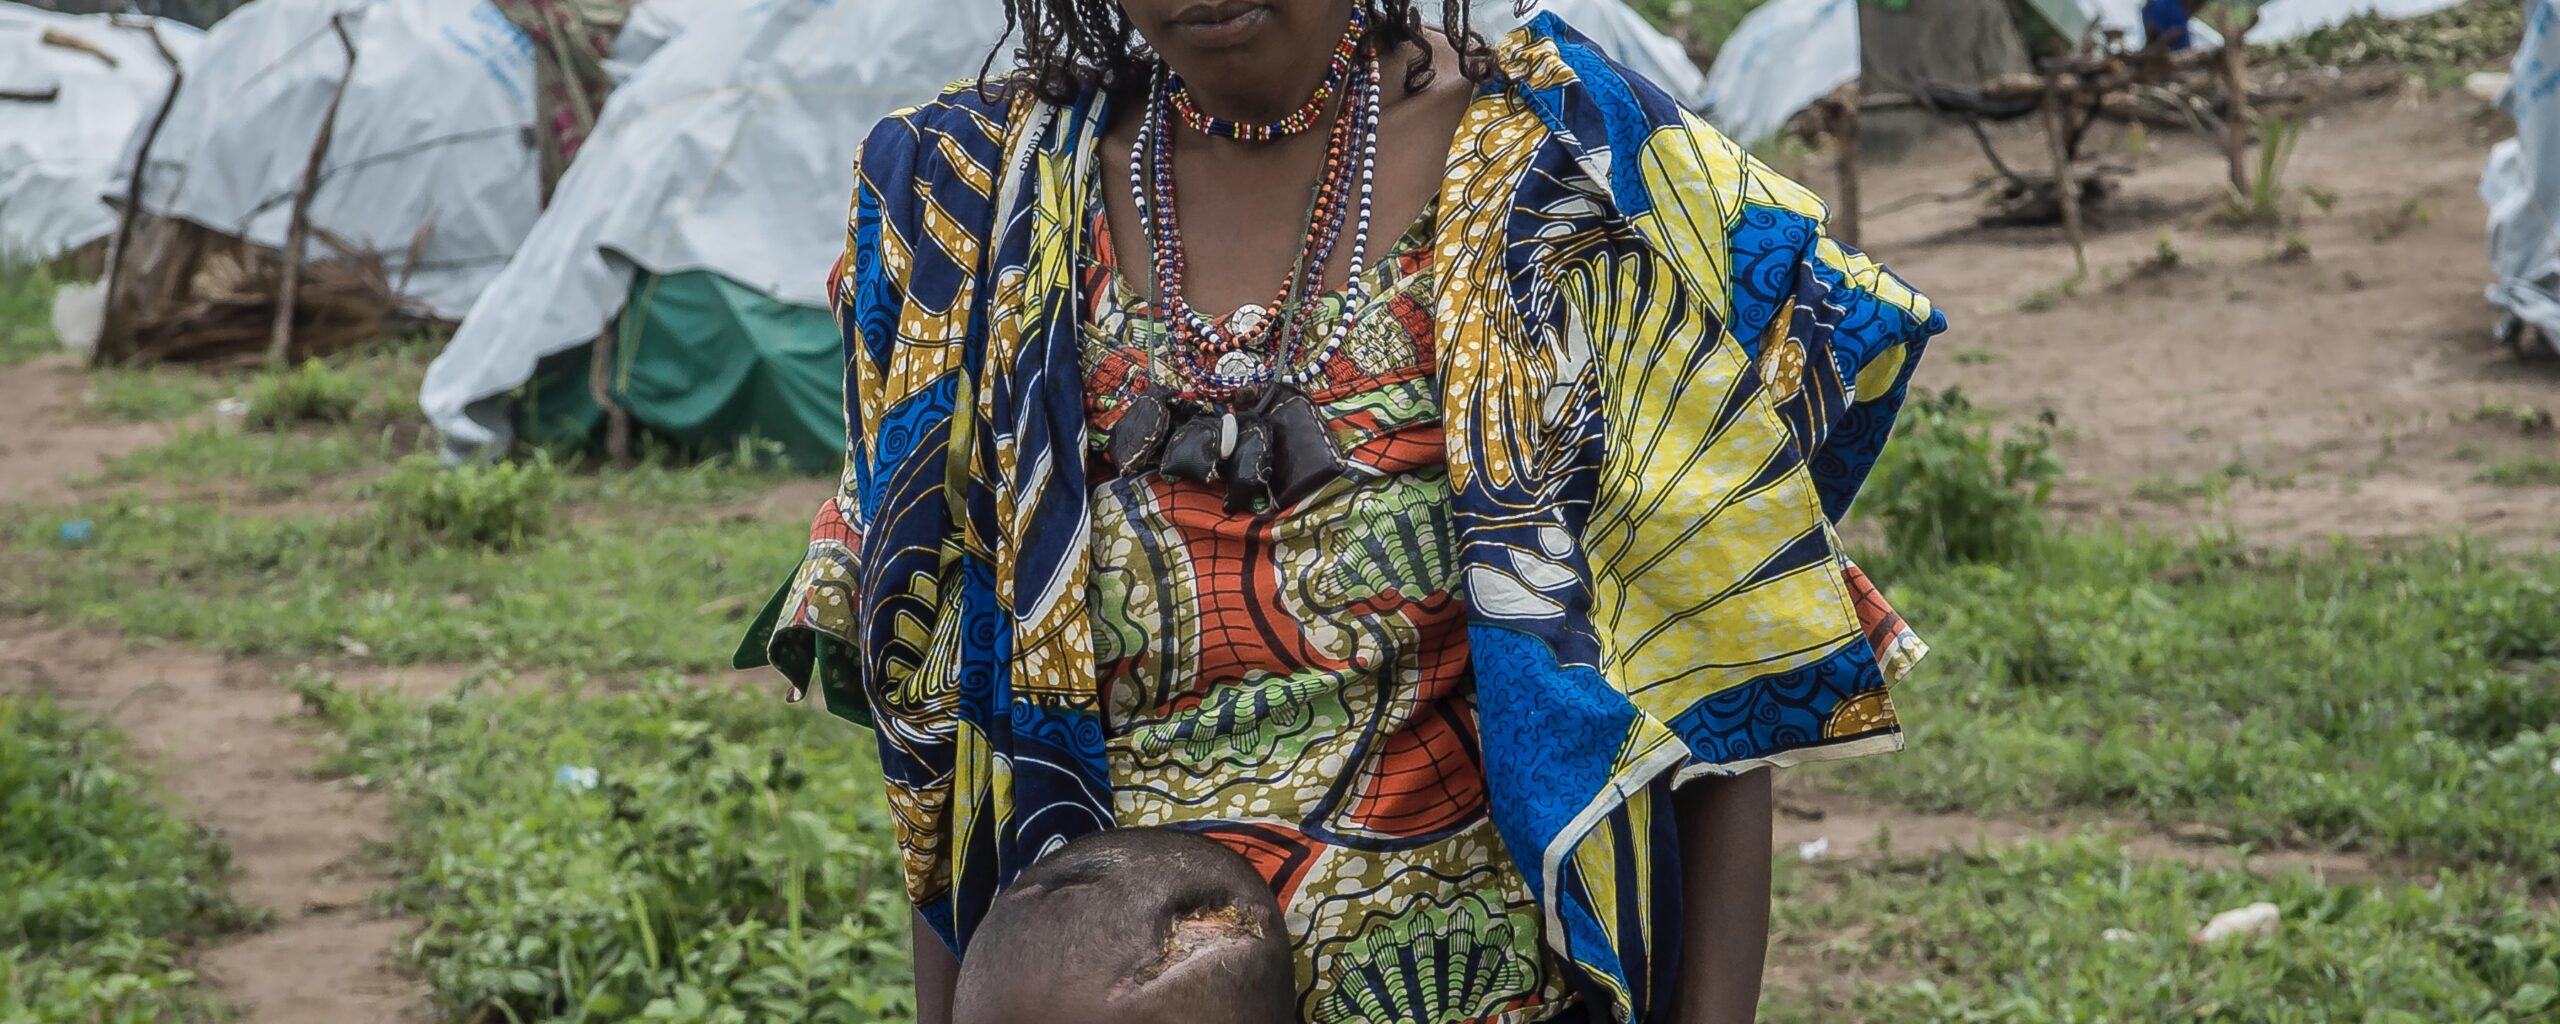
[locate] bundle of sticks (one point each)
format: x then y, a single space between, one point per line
203 297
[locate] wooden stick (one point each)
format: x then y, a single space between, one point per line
44 95
1844 134
2066 179
112 344
298 232
2235 91
617 420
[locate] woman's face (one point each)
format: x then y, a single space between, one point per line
1239 43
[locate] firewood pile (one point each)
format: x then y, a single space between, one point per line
191 295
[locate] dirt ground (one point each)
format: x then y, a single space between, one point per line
2340 392
2336 392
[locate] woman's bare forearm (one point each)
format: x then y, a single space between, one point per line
937 973
1725 826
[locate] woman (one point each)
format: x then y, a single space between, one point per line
1408 461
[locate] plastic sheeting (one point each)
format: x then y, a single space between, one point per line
1620 32
729 150
2522 183
434 136
1790 53
58 157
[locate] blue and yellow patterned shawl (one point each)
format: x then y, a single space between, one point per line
1663 384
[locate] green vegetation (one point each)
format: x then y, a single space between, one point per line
500 506
607 597
26 309
2405 703
1946 489
1704 23
101 887
152 393
2527 471
2023 936
727 860
2438 46
314 393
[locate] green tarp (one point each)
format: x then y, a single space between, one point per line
706 363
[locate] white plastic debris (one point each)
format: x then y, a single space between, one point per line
1813 851
576 776
79 313
230 414
2487 86
2113 935
2257 920
2555 765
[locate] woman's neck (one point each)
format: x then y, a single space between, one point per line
1270 88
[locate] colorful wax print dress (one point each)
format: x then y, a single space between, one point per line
1294 683
1660 382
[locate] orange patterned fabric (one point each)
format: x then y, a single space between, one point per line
1295 684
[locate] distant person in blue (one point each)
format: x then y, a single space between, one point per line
2164 26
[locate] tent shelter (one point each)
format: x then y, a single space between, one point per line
433 136
696 230
72 88
2522 186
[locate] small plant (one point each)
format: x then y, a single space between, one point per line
2293 250
313 393
2411 215
1976 357
2522 472
2163 259
1948 490
2525 417
2264 203
2050 295
2320 197
499 506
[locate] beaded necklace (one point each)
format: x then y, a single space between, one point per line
1242 415
1222 357
1345 56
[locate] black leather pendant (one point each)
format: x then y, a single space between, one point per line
1192 452
1303 456
1248 467
1137 441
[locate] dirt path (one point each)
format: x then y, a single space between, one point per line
45 441
221 735
2337 392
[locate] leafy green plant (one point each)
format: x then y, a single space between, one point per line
2529 471
500 506
100 886
674 853
315 392
1947 489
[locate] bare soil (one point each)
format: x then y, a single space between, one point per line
46 441
2336 391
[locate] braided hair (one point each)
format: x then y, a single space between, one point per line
1068 46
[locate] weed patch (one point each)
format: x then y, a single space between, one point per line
1948 490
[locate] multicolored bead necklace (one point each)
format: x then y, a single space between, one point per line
1225 357
1345 55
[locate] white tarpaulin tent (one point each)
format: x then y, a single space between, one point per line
434 136
2522 186
58 155
1790 53
728 151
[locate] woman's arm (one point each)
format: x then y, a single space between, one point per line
1725 831
937 974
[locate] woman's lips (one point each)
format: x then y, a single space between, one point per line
1218 26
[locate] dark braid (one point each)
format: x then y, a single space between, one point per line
1068 46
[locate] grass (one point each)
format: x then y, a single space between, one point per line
605 597
2020 936
2522 471
101 887
2174 683
149 394
26 309
729 860
2437 46
1707 23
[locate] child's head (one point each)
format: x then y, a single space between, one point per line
1131 926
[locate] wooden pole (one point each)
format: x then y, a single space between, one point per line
617 420
112 345
1844 135
298 231
2066 178
2235 92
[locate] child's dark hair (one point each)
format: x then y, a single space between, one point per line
1136 926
